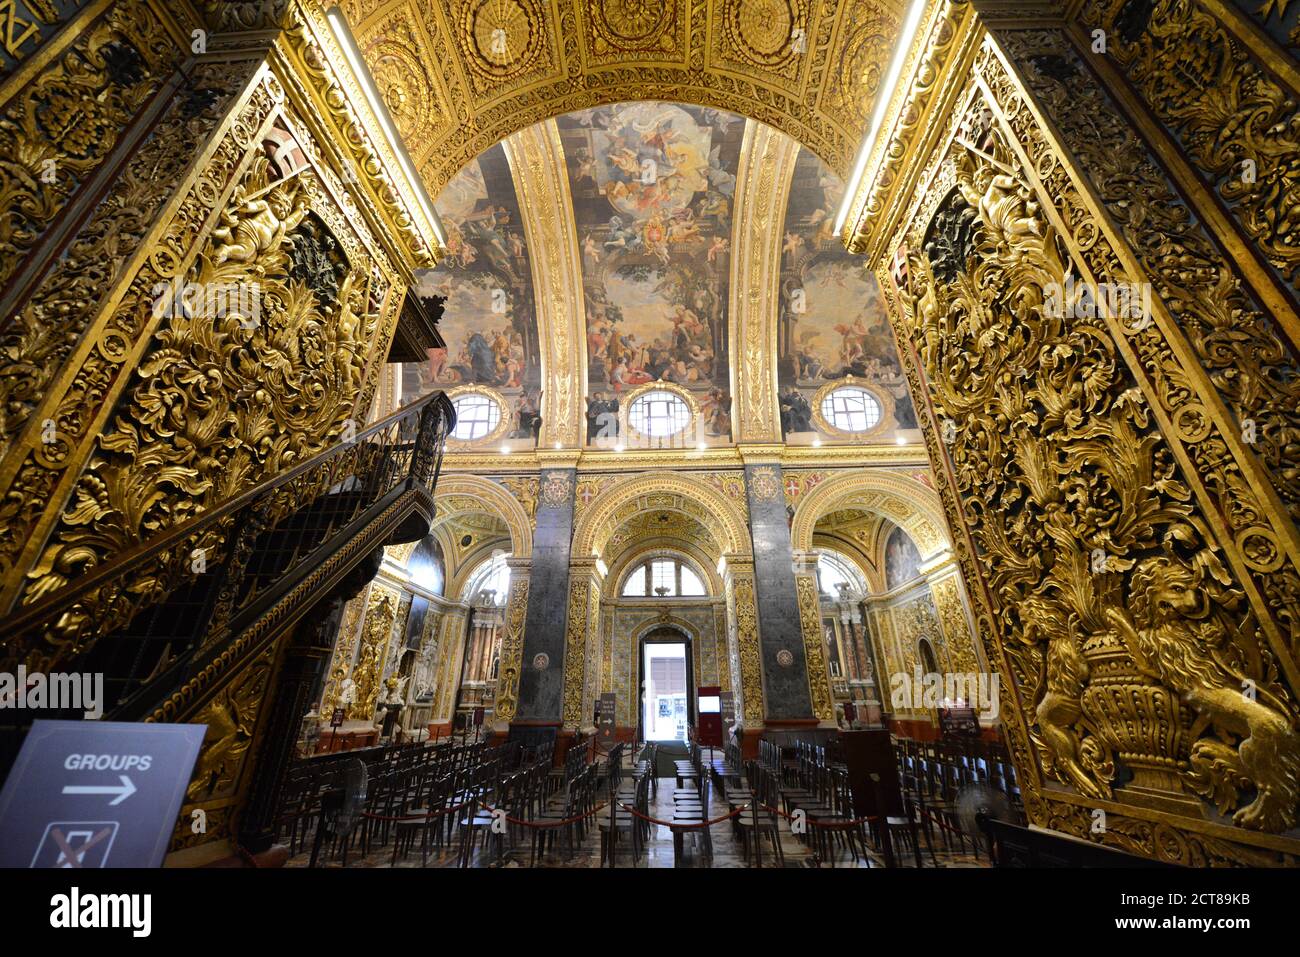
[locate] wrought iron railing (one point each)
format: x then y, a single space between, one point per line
166 605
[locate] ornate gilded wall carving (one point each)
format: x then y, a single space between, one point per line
381 611
452 655
79 287
174 448
744 610
512 648
63 125
581 593
30 25
810 621
958 642
232 717
1232 117
345 649
156 413
1134 577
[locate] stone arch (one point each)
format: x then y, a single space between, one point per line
907 503
657 621
465 493
667 491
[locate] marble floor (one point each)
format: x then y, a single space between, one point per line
658 851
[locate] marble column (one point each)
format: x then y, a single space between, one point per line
540 708
787 696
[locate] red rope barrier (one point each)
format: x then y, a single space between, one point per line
832 825
683 827
541 826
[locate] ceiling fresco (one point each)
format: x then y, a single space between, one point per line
653 186
833 323
489 319
651 200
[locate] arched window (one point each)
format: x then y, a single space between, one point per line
851 409
477 415
490 582
663 578
833 570
658 413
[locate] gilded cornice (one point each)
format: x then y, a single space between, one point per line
937 63
685 460
318 81
541 182
762 188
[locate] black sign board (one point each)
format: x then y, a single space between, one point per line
605 731
336 718
96 793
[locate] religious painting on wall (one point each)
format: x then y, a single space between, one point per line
488 321
833 322
653 186
902 560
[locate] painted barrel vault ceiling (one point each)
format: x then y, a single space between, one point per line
809 68
568 275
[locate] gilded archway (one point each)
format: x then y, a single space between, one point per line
912 506
465 493
664 491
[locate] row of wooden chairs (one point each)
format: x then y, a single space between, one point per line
626 788
933 776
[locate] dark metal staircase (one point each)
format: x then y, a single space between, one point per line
170 619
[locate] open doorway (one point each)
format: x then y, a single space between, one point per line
667 705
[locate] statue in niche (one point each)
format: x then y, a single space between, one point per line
396 690
424 670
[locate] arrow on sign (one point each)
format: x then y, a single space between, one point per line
123 791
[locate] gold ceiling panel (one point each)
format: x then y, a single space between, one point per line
461 75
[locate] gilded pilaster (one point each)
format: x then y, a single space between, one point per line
451 657
541 180
762 188
580 641
512 645
810 622
742 603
